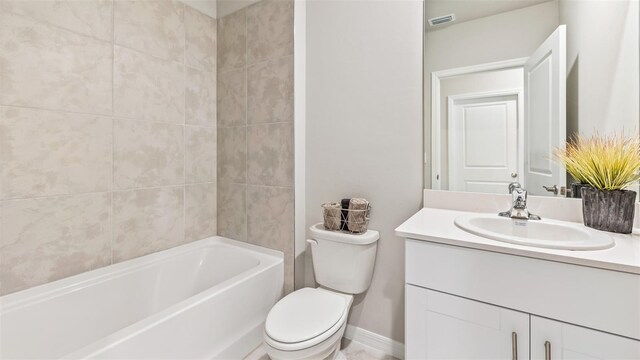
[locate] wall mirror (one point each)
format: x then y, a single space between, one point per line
506 82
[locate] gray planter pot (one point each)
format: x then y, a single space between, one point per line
608 210
576 190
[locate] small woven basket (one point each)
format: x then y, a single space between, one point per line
337 218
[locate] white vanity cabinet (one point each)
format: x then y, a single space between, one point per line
559 341
442 326
465 303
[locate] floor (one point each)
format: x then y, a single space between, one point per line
350 349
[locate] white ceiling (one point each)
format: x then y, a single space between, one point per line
466 10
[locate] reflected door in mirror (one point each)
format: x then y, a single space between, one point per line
545 119
483 142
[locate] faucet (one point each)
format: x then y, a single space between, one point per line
518 204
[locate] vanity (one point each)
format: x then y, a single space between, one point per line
470 296
504 92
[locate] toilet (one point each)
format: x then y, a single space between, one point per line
309 323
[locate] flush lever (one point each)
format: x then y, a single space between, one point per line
553 189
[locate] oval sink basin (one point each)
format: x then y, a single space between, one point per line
551 234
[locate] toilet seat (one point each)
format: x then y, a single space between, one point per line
305 318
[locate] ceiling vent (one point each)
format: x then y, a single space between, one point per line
441 20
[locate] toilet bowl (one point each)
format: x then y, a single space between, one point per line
309 323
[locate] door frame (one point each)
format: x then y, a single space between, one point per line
519 95
436 78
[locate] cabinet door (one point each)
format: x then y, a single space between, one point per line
442 326
564 342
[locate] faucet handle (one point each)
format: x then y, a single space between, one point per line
514 185
519 196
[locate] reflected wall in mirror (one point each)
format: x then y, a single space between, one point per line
507 82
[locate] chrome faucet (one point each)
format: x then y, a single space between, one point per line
518 204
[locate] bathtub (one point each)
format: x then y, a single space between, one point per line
203 300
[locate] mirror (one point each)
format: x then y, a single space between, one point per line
507 82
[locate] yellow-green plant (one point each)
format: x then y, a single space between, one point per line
605 162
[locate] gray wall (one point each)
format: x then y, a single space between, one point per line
364 132
602 65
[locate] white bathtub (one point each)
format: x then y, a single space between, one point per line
204 300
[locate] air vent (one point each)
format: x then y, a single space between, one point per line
442 20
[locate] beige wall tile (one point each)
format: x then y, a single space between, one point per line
201 34
232 98
200 97
147 154
232 41
146 221
269 30
200 150
232 154
270 154
47 239
46 153
47 67
91 18
147 88
270 222
200 211
270 91
59 65
232 211
153 27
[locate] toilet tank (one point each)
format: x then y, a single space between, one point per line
343 261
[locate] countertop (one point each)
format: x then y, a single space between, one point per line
436 225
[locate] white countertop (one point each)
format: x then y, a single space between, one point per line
436 225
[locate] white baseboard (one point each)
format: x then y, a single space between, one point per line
375 341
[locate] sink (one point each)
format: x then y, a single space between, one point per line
551 234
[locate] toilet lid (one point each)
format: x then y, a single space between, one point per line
303 315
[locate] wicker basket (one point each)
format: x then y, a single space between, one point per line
337 218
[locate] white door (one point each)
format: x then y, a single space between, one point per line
443 326
554 340
545 114
483 142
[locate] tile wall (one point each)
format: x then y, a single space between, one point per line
108 132
255 127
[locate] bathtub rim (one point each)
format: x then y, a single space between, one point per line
33 295
114 339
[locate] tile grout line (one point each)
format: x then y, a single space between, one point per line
252 124
184 128
113 132
246 123
256 63
44 22
218 192
112 40
39 197
115 117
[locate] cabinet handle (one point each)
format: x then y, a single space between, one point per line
514 345
547 350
